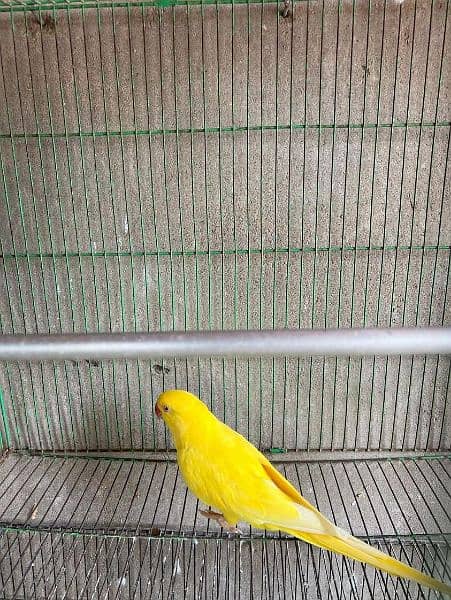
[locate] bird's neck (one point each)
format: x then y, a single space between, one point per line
195 432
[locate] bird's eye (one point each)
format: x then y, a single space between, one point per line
166 408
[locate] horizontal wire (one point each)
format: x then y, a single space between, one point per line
284 455
222 252
77 4
437 539
225 129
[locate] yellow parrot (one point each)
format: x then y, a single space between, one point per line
227 472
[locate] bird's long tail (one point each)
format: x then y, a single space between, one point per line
359 550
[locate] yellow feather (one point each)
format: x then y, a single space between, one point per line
227 472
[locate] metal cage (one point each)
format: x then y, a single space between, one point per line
258 196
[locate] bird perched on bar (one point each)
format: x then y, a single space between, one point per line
228 473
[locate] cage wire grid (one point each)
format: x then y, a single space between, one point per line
209 165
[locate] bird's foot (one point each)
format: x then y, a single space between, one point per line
219 518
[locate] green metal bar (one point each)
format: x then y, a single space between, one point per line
221 129
234 212
260 290
31 5
226 252
274 298
248 221
5 424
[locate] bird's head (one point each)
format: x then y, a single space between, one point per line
179 410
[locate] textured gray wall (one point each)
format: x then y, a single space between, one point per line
336 218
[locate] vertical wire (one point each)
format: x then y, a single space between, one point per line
424 228
325 554
384 230
411 233
260 296
66 253
331 504
387 508
315 226
35 213
68 270
49 221
18 429
177 166
379 574
143 241
401 188
67 386
113 211
220 190
207 202
439 228
302 254
289 201
155 228
408 496
95 525
340 269
359 181
275 254
442 428
48 535
171 249
193 192
83 519
302 241
126 197
85 190
234 230
328 267
248 266
370 221
25 237
121 537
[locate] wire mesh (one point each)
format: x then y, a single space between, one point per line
210 164
95 527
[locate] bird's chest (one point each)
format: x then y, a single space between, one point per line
204 478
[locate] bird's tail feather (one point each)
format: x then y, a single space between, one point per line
359 550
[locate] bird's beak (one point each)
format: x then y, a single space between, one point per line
157 411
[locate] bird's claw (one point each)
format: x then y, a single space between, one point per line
219 518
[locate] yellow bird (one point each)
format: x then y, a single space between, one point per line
227 472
